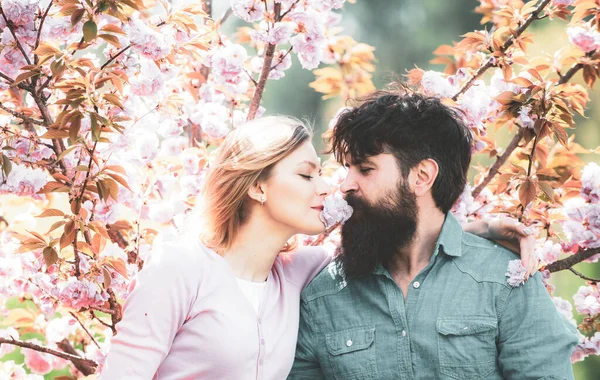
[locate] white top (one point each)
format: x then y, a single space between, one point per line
253 291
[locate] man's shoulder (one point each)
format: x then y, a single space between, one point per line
329 281
484 260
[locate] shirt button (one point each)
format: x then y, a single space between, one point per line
259 321
349 342
416 284
262 341
403 332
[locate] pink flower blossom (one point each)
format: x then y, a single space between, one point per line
213 118
8 333
336 210
585 38
248 10
515 273
564 3
279 34
36 361
79 294
565 308
590 182
549 252
525 120
190 159
228 64
436 84
149 42
587 300
146 146
60 328
20 12
24 180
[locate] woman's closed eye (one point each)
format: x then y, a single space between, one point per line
308 177
365 170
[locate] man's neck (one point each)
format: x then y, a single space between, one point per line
413 258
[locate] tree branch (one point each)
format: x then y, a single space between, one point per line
490 61
264 73
21 115
85 329
86 367
568 262
514 143
75 359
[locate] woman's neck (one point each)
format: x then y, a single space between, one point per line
254 250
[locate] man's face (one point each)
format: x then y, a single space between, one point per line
384 218
372 178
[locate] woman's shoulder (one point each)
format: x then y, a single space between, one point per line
183 252
303 263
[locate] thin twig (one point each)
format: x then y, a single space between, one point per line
83 367
115 57
490 61
85 329
39 33
282 58
8 79
289 10
46 350
584 276
21 115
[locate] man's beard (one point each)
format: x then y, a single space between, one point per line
375 233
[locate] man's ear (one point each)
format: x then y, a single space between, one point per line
257 192
424 175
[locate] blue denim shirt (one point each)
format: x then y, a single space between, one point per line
460 320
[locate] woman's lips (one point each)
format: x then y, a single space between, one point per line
318 208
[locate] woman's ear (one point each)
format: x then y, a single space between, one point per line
257 192
424 175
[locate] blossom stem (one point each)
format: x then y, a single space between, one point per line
46 350
85 329
490 61
324 235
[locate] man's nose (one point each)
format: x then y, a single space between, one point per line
349 184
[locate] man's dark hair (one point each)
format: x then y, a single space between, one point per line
413 127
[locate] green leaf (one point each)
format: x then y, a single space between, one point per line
90 30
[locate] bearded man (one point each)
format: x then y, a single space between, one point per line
410 294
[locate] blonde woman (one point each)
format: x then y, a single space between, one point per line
228 308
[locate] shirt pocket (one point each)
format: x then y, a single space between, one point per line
467 346
352 353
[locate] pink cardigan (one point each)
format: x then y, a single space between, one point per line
187 318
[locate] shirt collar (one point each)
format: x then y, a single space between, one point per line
450 239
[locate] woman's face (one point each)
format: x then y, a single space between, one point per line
295 192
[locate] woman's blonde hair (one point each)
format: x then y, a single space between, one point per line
246 155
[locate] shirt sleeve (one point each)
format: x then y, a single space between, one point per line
162 296
535 341
306 364
305 263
